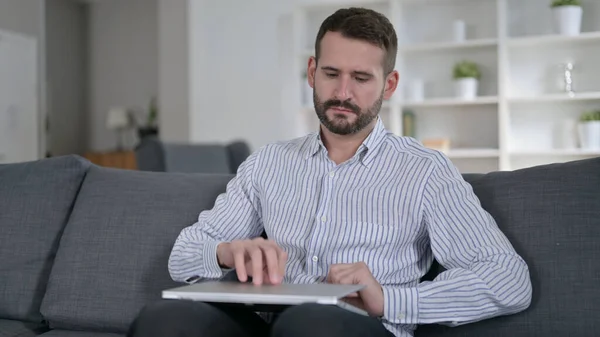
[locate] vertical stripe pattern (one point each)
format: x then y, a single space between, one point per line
395 206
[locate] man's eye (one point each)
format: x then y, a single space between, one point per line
362 79
331 75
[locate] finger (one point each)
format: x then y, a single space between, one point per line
346 276
240 265
270 255
340 268
256 257
352 295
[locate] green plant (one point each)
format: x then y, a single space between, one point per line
559 3
590 116
466 69
152 112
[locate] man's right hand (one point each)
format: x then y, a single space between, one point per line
261 259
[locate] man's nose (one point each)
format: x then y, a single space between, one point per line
343 88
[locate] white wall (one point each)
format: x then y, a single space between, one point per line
234 55
66 34
27 17
123 68
173 70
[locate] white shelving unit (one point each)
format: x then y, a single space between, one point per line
521 117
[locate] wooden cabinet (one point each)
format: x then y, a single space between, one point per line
117 159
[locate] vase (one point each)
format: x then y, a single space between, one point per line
466 88
567 20
589 135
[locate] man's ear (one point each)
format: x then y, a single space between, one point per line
391 83
311 70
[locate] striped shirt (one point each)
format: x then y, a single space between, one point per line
395 205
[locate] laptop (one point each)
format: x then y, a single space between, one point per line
266 298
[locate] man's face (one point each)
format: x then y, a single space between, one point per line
349 83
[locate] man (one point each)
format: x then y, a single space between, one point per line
349 204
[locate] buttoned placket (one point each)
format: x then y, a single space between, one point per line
314 261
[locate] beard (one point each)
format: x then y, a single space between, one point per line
339 123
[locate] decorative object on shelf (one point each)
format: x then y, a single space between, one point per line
416 90
151 126
568 78
459 29
408 124
307 92
119 119
466 80
567 16
440 144
589 130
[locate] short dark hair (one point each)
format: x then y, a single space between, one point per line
362 24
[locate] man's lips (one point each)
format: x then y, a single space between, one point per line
342 110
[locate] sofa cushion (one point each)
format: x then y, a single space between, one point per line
113 254
10 328
35 202
551 214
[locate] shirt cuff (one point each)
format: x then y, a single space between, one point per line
212 270
401 305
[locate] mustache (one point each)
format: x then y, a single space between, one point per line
336 103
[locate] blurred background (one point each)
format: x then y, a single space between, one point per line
196 85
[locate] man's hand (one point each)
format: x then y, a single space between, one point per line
261 259
369 298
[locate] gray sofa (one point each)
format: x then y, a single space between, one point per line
152 154
83 248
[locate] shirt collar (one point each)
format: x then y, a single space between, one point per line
366 151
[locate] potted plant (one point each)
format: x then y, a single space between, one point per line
466 79
567 16
151 126
589 130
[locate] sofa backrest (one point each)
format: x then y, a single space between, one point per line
114 251
36 199
551 214
152 154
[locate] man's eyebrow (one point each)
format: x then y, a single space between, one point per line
357 72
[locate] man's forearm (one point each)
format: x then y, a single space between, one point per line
499 285
193 259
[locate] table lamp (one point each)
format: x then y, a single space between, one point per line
119 120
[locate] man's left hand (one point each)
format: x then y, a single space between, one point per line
370 298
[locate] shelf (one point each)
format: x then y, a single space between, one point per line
551 98
522 64
545 40
450 45
557 152
472 153
447 102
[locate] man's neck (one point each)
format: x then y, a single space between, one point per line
343 147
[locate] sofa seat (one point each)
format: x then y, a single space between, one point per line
66 333
10 328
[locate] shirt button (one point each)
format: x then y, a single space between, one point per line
400 316
315 259
332 174
323 218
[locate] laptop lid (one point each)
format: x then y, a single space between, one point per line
248 293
